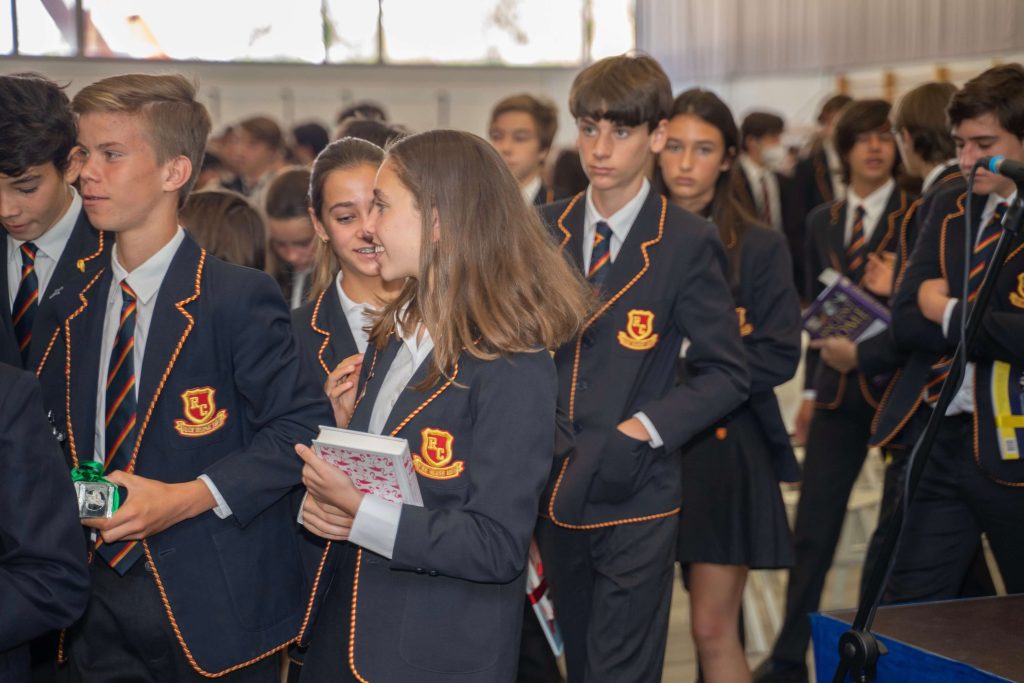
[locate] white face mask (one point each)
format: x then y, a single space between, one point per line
773 157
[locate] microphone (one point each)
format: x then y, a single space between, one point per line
1014 170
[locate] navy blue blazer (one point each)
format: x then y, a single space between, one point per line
794 215
44 579
667 283
880 355
322 333
940 253
768 309
826 247
83 254
449 603
220 338
813 179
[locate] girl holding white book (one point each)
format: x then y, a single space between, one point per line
457 364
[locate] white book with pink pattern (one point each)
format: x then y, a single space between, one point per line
379 465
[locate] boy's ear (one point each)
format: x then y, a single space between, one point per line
177 172
74 168
659 136
435 226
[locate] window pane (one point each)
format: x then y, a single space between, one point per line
614 27
46 28
6 28
351 35
215 30
515 32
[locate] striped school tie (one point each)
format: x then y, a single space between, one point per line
600 254
980 257
26 301
120 420
855 252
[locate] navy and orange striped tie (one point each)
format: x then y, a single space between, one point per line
982 254
26 301
600 254
119 435
855 252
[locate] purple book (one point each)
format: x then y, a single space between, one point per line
844 310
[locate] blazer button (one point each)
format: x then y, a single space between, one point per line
588 340
582 385
433 572
577 427
421 570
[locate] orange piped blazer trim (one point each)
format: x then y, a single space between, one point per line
576 365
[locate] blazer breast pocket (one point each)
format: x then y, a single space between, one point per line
202 410
638 327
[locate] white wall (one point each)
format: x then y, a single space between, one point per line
461 97
418 97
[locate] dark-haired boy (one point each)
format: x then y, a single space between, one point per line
772 193
47 237
183 381
973 480
835 418
609 533
819 175
522 129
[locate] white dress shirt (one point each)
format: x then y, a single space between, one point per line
145 281
531 189
375 525
874 209
50 247
620 223
933 175
963 401
356 315
759 176
835 169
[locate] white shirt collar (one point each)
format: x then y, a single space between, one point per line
146 279
52 242
622 220
751 168
934 174
874 203
995 200
356 315
531 189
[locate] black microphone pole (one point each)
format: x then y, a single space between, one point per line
859 649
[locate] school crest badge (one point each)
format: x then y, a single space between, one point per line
201 414
639 333
745 327
435 459
1017 298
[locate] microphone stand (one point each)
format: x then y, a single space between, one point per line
859 649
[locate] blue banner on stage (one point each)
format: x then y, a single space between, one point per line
903 664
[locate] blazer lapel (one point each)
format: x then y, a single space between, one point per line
953 240
83 334
837 235
410 399
331 324
884 236
170 327
631 259
570 227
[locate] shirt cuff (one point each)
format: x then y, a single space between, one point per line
810 394
947 315
655 440
222 510
375 526
302 506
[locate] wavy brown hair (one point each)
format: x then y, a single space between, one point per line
495 282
